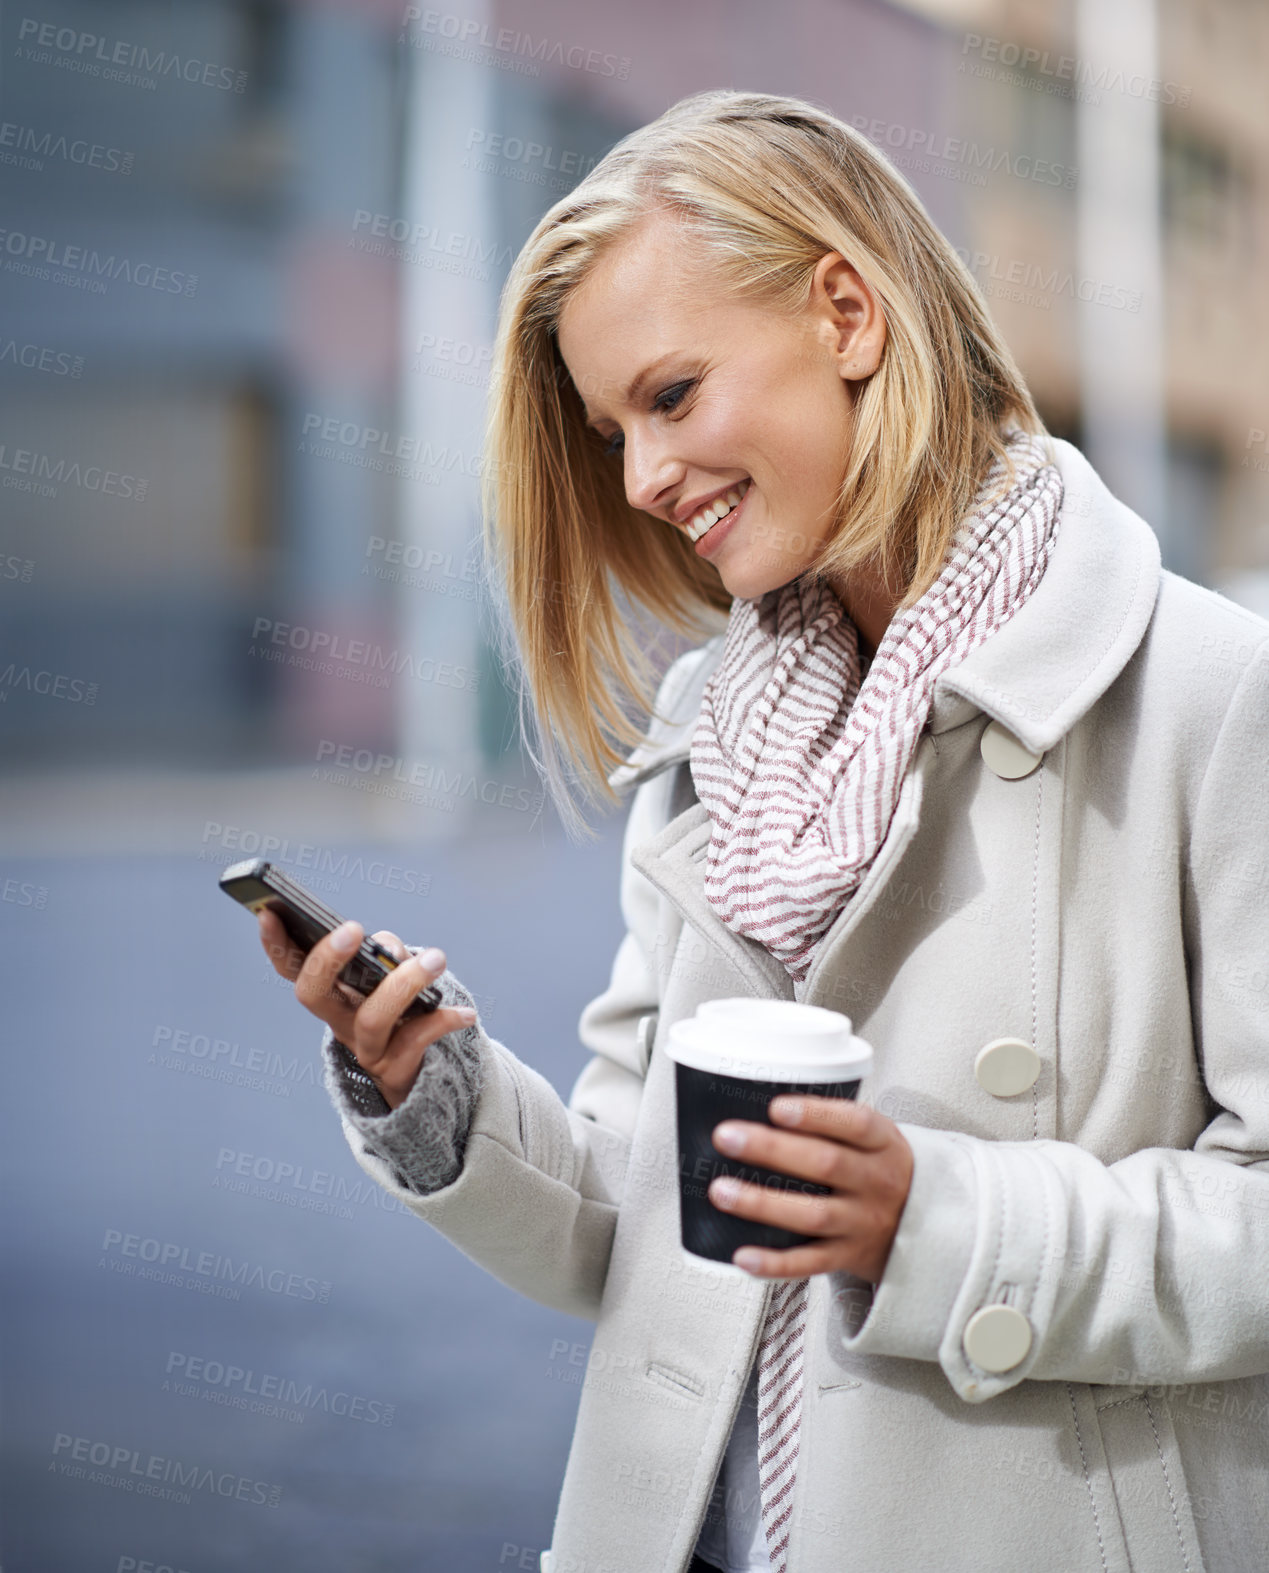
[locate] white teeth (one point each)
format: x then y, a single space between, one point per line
719 509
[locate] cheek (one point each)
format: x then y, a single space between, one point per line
806 428
820 462
821 428
721 430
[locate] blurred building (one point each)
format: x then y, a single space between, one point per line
207 274
1024 78
248 278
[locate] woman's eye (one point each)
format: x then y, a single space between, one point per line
675 395
664 402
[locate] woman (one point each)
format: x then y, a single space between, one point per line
957 759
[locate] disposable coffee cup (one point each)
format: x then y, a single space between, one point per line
731 1059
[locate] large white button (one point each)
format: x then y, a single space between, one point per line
1003 753
997 1338
1006 1066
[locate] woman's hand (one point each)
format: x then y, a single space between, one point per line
859 1154
389 1050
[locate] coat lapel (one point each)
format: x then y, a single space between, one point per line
674 861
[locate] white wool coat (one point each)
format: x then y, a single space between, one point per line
1064 1366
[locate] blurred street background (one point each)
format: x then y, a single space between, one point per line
250 259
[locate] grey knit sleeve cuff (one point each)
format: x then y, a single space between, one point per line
424 1138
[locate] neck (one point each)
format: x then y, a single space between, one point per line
870 603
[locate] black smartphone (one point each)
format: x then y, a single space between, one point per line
258 883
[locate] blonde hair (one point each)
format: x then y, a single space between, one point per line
767 185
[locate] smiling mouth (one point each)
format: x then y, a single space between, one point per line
703 522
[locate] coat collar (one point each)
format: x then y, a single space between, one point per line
1046 667
1052 661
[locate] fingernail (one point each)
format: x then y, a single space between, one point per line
725 1191
729 1139
343 940
749 1260
433 959
789 1109
464 1013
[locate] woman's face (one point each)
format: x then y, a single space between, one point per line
735 397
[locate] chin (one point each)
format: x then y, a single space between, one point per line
749 583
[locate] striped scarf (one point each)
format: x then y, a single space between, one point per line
799 760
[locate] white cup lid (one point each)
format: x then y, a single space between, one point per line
769 1040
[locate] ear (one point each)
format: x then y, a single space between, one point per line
848 317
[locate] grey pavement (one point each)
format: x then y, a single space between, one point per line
203 1295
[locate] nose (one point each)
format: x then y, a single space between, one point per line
652 473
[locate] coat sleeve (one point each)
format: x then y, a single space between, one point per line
1150 1269
535 1199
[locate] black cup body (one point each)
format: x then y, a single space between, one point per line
703 1098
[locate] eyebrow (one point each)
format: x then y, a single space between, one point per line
636 385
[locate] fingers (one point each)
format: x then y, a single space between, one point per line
868 1180
316 987
851 1233
805 1156
842 1119
800 1261
804 1214
390 942
281 949
381 1011
388 1049
396 1067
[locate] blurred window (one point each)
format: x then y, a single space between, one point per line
1196 472
1205 196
